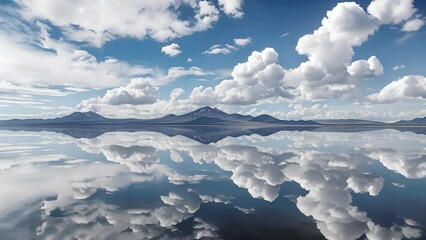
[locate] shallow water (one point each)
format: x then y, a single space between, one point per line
147 185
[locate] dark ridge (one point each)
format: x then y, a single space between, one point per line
416 121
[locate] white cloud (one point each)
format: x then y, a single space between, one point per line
330 71
101 21
366 183
189 60
24 89
232 8
330 51
366 68
408 87
176 94
184 204
204 230
399 185
258 78
54 62
242 42
300 111
77 89
173 73
139 91
218 49
392 11
377 232
410 165
171 50
399 67
228 48
285 34
245 210
413 25
24 95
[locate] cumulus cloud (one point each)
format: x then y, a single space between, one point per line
366 68
232 8
377 232
98 22
392 11
203 230
366 183
188 203
413 25
171 50
258 78
137 92
330 50
410 165
408 87
330 71
242 42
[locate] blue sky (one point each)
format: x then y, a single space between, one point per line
291 59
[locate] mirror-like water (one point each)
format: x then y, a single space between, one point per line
147 185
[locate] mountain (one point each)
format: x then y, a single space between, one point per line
202 116
265 119
82 116
208 112
416 121
204 125
214 116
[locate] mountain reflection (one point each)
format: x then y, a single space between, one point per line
147 185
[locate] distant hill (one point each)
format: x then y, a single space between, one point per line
202 116
76 118
265 119
416 121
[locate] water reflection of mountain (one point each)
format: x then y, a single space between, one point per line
155 186
205 134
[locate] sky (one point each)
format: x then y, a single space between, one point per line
291 59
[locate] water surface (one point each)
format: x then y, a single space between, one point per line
147 185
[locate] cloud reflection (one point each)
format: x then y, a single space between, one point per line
330 167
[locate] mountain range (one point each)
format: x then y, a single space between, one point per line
200 117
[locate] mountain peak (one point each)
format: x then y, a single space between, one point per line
264 118
206 111
83 116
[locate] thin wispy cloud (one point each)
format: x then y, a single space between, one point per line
285 34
